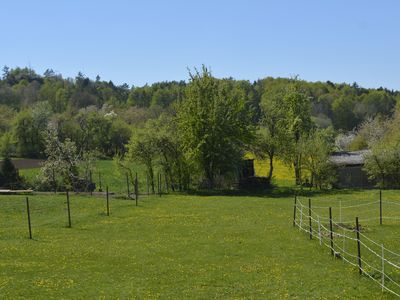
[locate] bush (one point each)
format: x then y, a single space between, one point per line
9 176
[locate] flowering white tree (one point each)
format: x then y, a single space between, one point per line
383 163
61 166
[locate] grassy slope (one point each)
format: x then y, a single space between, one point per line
261 229
282 175
172 247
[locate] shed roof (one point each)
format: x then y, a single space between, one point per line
349 158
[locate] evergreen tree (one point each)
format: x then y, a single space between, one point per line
9 176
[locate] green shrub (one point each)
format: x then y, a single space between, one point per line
9 176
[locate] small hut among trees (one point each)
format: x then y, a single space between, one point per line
350 169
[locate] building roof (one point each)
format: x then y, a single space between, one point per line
349 158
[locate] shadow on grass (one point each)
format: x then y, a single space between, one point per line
268 193
276 192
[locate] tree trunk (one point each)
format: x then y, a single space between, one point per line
297 170
209 176
151 174
271 167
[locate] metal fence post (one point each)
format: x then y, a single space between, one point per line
358 247
69 211
29 218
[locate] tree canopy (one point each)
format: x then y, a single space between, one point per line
202 126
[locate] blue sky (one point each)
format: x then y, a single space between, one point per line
140 42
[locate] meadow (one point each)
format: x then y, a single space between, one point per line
175 246
116 181
181 246
104 171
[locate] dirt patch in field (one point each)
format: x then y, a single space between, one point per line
26 163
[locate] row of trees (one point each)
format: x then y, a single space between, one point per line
287 132
212 128
197 131
90 129
341 105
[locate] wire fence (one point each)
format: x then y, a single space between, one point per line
15 215
347 236
35 217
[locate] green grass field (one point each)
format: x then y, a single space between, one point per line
192 246
181 246
283 176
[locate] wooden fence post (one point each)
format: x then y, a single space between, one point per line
358 246
29 218
69 211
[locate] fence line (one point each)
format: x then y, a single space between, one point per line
350 206
330 239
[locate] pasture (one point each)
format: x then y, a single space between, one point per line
111 176
182 246
105 171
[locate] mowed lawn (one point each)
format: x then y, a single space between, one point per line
173 247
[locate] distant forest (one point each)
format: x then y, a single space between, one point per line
82 107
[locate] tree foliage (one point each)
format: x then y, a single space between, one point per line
9 176
214 126
296 106
383 163
61 166
201 127
316 148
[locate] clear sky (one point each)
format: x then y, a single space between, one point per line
140 42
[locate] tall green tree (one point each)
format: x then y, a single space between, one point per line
169 151
272 130
344 116
214 126
316 148
142 150
296 105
